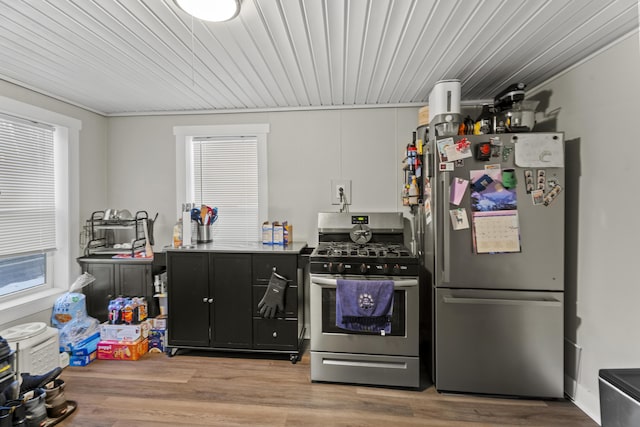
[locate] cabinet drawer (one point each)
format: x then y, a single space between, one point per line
275 334
290 300
285 265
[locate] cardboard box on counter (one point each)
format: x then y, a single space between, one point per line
121 350
288 233
278 234
267 233
109 332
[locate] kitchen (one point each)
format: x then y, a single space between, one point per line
129 161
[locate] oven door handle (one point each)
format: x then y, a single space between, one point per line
406 283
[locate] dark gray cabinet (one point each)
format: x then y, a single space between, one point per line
116 278
282 332
213 302
209 300
231 326
188 299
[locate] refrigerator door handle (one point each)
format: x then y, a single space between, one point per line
499 301
444 216
430 162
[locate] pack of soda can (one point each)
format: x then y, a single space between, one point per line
127 310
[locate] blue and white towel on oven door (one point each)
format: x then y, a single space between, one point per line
364 305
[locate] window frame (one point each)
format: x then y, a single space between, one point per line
66 140
184 137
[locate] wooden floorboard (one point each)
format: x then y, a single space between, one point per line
228 389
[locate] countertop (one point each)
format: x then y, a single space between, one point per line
110 259
241 247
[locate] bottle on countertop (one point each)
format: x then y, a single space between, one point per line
177 234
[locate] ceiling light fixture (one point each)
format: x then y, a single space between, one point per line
211 10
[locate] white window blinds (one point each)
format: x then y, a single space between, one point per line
225 175
27 187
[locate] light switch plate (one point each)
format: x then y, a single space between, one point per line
336 184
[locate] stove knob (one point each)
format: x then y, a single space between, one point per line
396 269
385 269
340 268
330 267
363 268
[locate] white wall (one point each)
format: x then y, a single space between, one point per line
306 149
596 104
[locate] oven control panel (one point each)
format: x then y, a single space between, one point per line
364 268
360 219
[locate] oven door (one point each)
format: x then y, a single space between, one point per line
326 336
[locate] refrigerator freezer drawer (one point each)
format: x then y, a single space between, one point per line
499 342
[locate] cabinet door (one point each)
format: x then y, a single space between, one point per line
134 280
188 298
100 291
231 292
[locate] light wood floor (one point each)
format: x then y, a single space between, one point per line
218 389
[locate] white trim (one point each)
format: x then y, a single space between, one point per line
221 130
16 108
49 94
28 305
588 401
471 103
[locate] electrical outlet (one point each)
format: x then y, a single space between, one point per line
336 185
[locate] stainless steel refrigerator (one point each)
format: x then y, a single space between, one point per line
494 245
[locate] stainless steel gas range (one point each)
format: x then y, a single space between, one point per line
361 263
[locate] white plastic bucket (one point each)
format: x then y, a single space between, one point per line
444 98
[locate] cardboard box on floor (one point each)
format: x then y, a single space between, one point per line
122 350
109 332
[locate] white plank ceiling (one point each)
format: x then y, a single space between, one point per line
119 57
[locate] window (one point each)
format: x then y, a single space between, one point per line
38 207
225 167
27 199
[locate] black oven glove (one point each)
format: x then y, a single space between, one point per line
273 299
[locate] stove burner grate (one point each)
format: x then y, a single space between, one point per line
371 250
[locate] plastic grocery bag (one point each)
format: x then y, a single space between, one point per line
70 314
71 304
